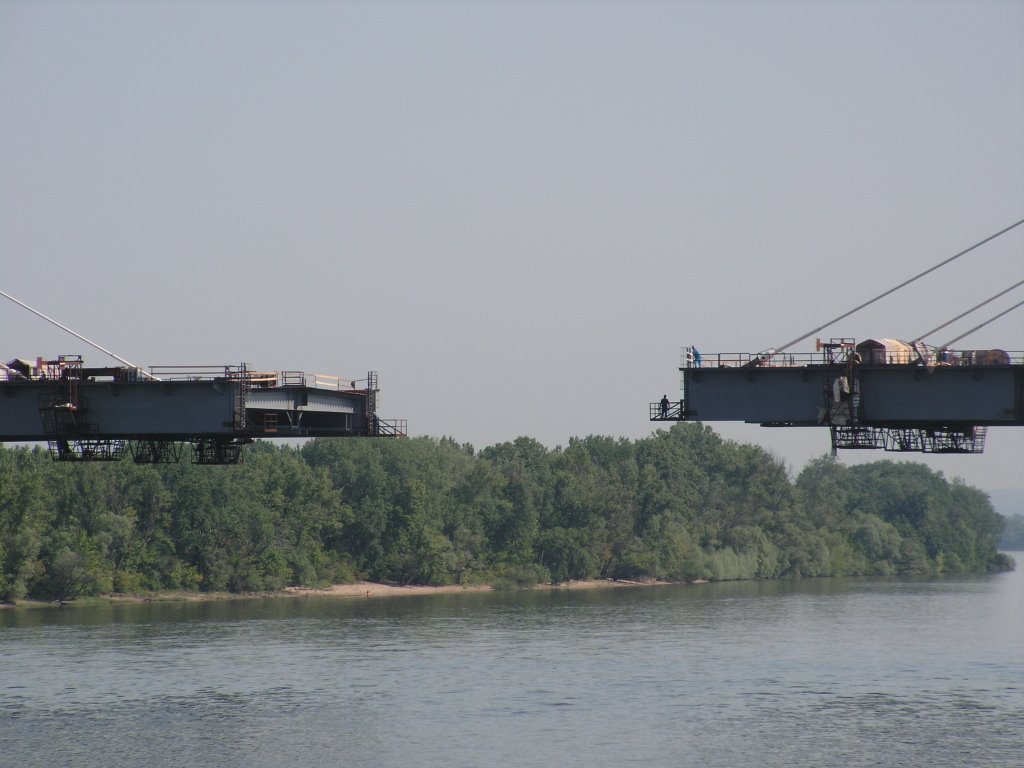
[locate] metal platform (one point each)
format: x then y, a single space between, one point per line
931 404
91 414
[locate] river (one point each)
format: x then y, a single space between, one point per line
825 672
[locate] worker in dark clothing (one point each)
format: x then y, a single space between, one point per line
664 406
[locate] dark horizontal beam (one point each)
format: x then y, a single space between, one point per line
889 395
46 409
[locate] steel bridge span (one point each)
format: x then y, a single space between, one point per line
99 414
918 400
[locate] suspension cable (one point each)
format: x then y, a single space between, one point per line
964 314
896 288
977 327
78 335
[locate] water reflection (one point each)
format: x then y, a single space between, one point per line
852 672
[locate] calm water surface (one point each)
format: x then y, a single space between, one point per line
837 672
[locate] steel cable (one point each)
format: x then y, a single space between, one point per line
982 325
896 288
964 314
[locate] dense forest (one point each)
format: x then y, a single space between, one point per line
682 504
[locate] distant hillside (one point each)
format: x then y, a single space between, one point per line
1009 502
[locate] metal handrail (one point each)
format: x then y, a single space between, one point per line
983 357
674 411
254 378
390 427
741 359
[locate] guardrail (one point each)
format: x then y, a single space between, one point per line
195 372
981 357
750 359
389 427
259 379
673 410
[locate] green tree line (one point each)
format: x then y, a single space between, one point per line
681 504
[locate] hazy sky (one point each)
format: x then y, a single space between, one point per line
515 212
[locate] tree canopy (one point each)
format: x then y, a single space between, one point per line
681 504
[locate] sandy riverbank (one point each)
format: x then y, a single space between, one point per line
366 589
358 590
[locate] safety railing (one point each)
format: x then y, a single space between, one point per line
388 427
748 359
199 372
317 381
672 410
255 379
975 357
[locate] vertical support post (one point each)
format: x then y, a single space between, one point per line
371 403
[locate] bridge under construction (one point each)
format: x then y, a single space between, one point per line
99 414
88 413
878 394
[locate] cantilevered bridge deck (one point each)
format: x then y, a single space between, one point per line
929 402
94 413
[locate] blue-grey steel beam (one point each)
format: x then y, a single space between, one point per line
176 410
889 395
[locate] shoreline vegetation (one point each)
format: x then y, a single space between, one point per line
682 505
